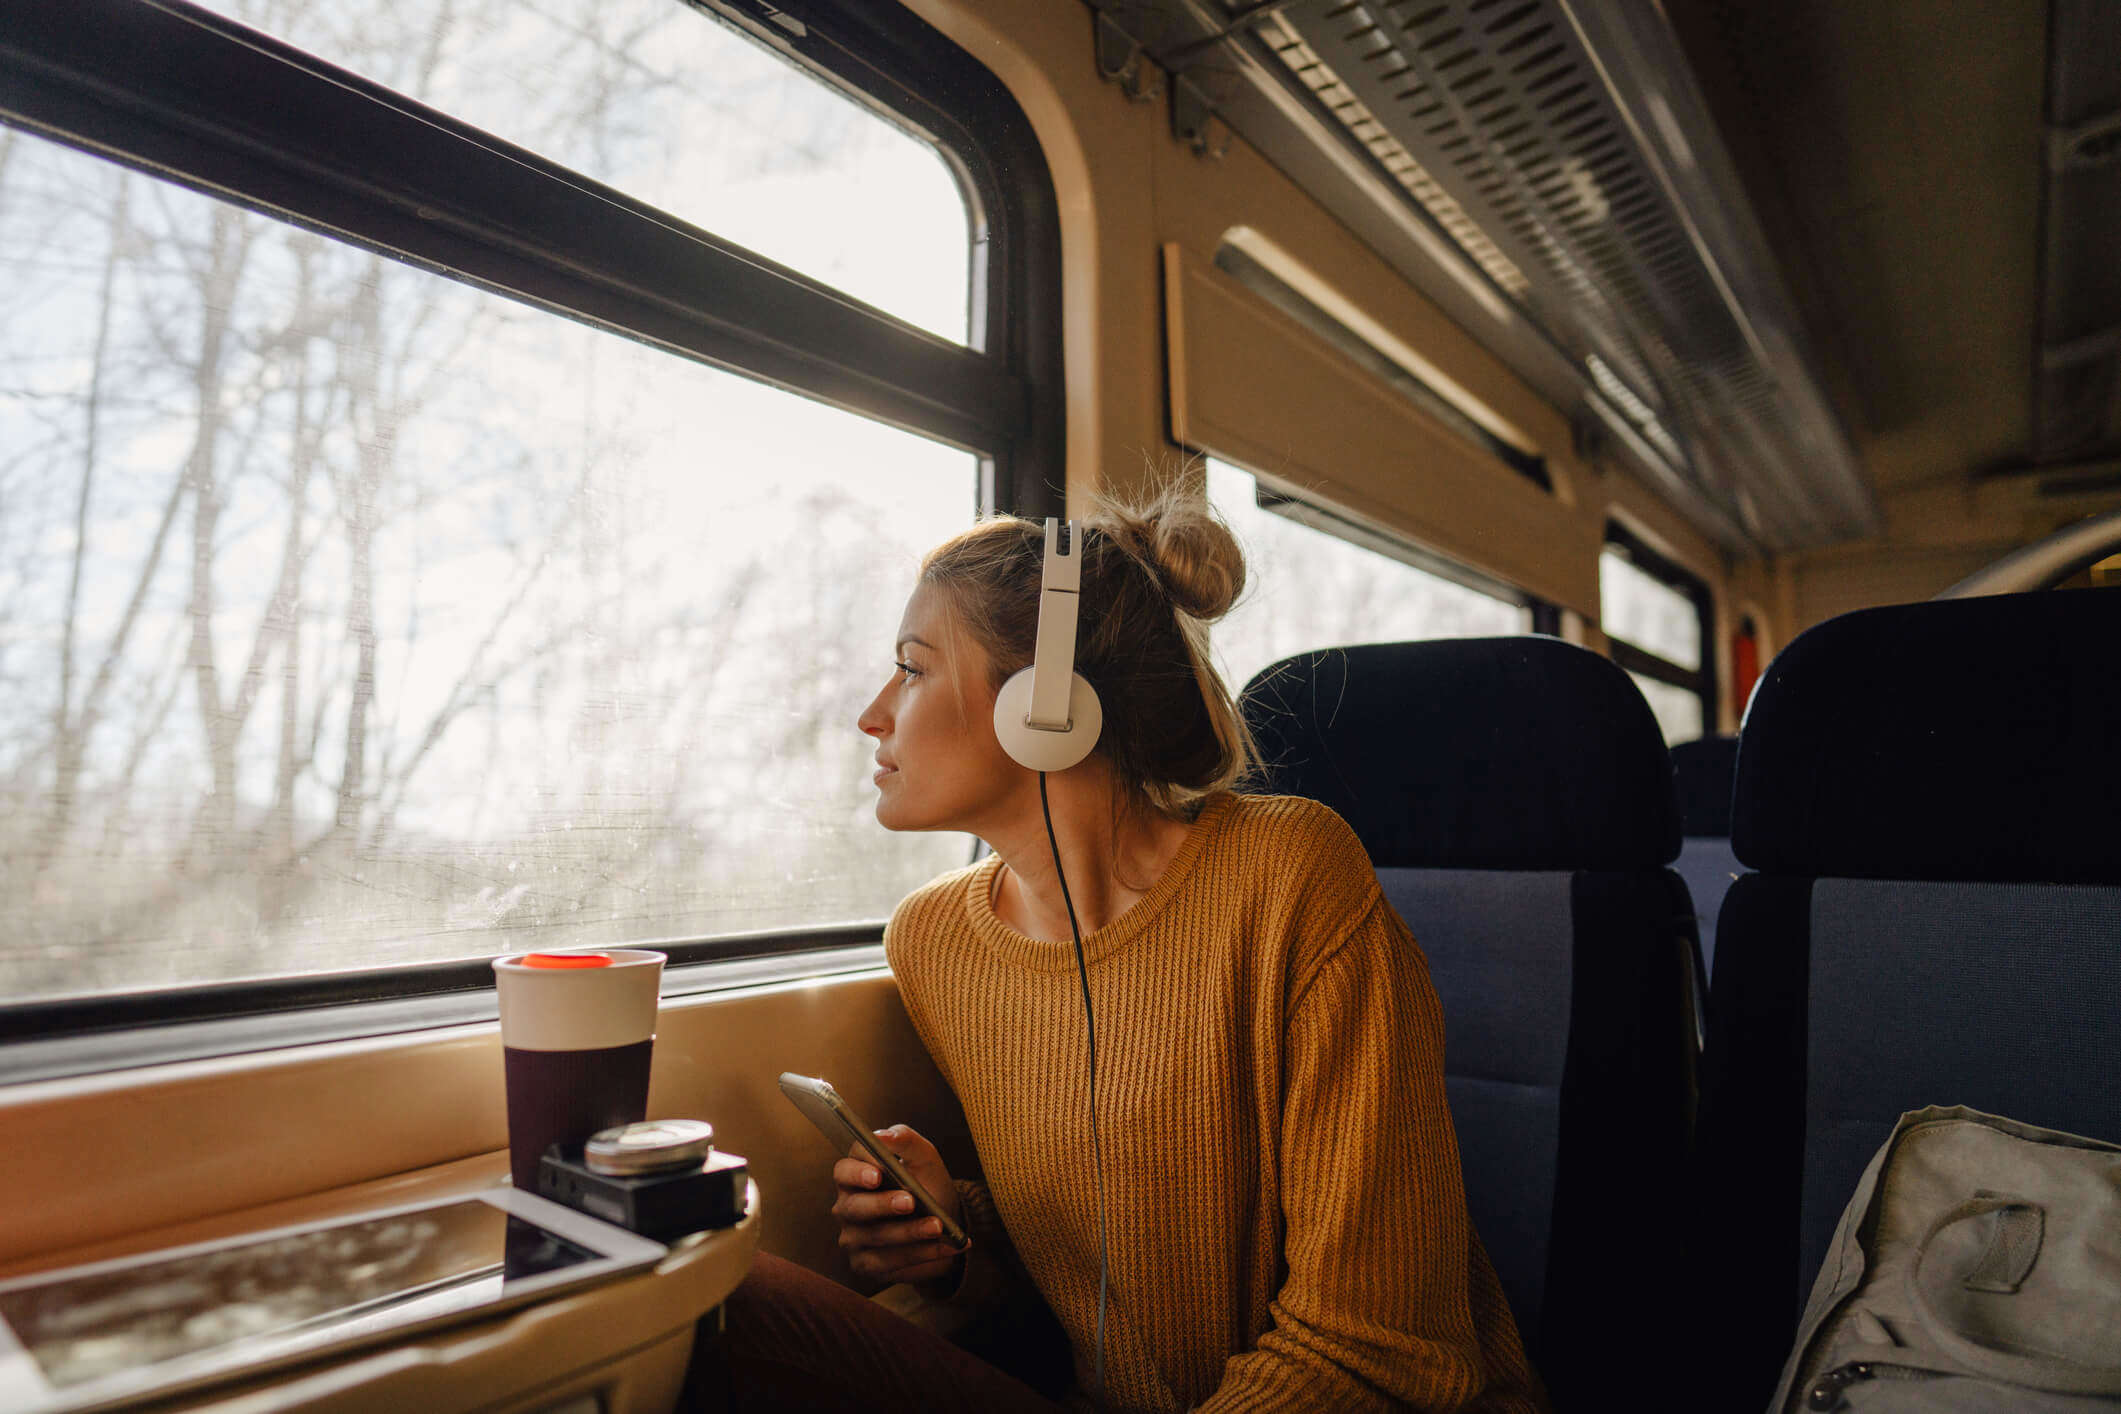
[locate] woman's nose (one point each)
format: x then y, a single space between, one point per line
873 720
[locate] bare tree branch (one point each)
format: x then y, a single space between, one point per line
99 362
228 251
135 756
373 450
465 691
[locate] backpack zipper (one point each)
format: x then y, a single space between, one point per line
1828 1390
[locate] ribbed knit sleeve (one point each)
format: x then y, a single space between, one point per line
989 1271
1374 1312
982 1223
989 1274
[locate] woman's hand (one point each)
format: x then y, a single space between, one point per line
886 1237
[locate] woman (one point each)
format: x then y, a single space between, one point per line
1280 1177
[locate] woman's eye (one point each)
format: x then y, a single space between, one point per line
908 669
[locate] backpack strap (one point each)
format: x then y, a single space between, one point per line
2003 1266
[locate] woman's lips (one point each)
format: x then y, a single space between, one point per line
882 770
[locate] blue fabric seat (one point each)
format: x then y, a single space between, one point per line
1516 799
1703 771
1928 793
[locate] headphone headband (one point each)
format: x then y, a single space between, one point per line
1059 603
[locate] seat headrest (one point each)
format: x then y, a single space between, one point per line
1703 771
1962 739
1484 753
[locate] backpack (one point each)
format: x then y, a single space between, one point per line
1977 1267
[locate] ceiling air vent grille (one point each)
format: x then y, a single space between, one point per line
1341 102
1496 118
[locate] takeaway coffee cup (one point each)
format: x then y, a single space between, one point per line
577 1031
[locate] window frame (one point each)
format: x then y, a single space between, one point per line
1269 494
1635 659
1326 521
253 121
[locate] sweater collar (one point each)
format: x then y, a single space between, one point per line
1042 956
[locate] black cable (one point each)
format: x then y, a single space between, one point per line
1097 1152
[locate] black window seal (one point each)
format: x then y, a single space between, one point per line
257 122
1636 659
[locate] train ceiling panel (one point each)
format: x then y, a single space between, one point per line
1561 150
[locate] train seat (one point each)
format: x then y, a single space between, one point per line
1516 799
1703 770
1928 793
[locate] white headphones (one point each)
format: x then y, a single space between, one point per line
1047 717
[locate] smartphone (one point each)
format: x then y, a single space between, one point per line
842 1127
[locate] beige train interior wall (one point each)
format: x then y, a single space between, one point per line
1935 534
1129 192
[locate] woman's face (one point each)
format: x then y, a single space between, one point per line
939 766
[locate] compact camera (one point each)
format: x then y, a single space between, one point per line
661 1179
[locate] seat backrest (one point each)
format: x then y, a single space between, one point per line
1515 797
1702 771
1929 793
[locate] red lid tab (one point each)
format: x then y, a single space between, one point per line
566 959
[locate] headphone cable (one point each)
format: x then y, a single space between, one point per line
1097 1153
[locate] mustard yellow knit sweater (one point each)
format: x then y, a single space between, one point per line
1288 1228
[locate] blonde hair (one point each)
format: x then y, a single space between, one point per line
1155 574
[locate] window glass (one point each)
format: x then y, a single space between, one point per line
679 110
1677 709
1647 612
351 616
1307 589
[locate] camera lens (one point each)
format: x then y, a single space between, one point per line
652 1146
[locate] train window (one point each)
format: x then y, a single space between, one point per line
667 104
415 548
1657 618
1678 710
1311 589
1641 609
356 616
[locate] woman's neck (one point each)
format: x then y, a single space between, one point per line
1113 853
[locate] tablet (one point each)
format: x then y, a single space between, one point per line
94 1336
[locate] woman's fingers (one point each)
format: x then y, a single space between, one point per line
873 1207
921 1159
923 1261
856 1172
859 1236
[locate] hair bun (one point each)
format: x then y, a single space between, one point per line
1193 554
1199 561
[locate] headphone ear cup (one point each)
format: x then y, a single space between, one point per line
1047 750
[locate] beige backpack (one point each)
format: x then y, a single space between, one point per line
1977 1267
